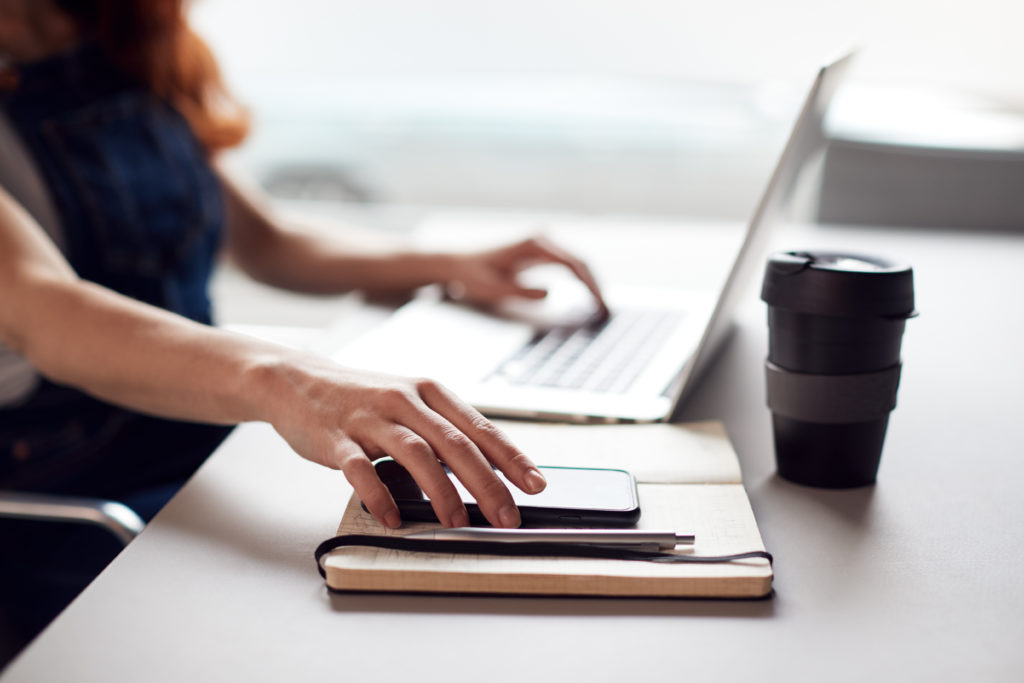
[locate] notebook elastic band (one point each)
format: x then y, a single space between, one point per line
420 545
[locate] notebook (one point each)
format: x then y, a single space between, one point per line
637 366
688 481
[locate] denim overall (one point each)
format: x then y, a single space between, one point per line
142 213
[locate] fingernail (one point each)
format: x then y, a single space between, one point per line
460 518
535 481
509 517
392 520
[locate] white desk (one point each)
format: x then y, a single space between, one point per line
916 578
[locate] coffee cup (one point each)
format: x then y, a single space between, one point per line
835 328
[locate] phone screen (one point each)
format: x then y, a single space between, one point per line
572 488
574 495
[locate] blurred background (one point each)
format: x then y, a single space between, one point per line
648 106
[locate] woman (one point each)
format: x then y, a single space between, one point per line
104 267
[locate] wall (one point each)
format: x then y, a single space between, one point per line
599 105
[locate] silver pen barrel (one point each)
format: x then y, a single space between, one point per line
620 537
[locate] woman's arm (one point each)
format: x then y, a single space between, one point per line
305 260
309 260
126 352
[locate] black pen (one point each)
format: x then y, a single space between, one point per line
660 539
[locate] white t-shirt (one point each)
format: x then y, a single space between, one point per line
20 177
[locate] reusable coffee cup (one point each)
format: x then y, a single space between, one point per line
835 325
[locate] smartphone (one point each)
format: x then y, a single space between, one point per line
575 496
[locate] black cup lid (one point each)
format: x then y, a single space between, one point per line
840 284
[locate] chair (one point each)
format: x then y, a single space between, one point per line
116 518
119 520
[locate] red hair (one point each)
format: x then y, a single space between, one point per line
151 41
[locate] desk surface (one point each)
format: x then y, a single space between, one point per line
916 578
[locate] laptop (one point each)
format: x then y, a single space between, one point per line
555 361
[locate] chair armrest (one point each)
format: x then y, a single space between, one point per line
117 518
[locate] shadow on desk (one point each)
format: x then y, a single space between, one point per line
416 603
851 507
829 532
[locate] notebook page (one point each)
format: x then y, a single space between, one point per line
694 453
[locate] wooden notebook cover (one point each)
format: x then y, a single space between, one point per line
688 481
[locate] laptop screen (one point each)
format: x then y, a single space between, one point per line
806 138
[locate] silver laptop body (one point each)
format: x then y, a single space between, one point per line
635 367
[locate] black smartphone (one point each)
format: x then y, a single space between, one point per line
575 496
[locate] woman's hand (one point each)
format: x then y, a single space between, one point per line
343 419
487 277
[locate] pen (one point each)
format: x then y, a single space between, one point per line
618 537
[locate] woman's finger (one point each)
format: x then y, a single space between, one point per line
542 249
359 471
494 290
417 456
495 446
466 459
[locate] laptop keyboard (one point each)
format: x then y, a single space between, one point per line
604 355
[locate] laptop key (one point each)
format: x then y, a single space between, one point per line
604 355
